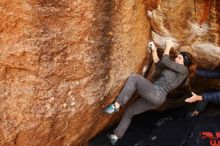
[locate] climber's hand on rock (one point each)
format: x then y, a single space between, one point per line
149 14
152 47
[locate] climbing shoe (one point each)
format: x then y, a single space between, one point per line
112 139
110 109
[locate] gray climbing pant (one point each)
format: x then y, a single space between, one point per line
151 98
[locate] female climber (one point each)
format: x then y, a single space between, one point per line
152 95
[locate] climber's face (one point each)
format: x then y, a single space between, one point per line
179 59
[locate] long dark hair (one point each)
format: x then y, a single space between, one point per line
190 63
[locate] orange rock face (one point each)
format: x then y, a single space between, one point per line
60 62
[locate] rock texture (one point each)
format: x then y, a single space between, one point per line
60 62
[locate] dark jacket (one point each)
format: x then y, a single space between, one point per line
210 96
